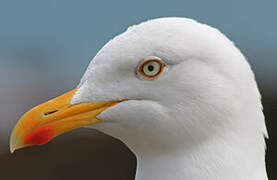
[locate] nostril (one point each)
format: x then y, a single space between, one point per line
50 112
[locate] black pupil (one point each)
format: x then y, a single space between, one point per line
150 68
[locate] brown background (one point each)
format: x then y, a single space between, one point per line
87 153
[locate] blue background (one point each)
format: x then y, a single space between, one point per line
58 38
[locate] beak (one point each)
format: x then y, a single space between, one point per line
52 118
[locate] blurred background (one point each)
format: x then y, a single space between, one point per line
45 47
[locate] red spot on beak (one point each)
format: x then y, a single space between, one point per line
39 136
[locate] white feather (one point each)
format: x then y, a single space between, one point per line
201 120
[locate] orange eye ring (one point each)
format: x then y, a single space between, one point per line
153 64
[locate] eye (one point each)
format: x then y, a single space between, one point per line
151 68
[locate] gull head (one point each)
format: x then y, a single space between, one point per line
202 85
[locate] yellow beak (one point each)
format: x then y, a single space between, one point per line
52 118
